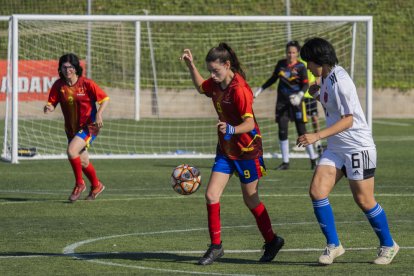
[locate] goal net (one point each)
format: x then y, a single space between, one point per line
154 109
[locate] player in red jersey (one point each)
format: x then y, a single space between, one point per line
77 96
239 148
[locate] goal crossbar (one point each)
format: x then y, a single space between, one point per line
15 19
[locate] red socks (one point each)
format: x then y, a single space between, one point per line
77 170
259 212
90 173
214 226
263 222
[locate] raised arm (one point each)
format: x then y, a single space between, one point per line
195 75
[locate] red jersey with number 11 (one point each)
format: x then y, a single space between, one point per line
233 105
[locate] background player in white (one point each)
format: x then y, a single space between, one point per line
350 152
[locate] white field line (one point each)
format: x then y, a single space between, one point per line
185 252
391 123
177 197
70 249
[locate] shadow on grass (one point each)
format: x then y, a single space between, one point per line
15 199
29 254
27 199
162 257
171 257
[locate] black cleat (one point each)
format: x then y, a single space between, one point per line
313 164
214 252
282 167
271 249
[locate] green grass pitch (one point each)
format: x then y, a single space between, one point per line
139 226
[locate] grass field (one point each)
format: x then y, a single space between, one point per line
140 226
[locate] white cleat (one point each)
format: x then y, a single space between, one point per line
330 253
386 254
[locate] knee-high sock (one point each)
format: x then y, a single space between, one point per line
284 148
214 225
90 173
324 215
77 169
378 220
311 152
263 222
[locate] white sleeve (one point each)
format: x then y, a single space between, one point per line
345 92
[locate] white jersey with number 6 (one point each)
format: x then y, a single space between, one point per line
339 97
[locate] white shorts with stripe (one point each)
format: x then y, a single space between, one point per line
356 165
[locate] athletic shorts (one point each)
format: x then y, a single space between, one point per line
88 134
247 170
356 165
284 109
311 107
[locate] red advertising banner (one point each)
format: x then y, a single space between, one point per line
36 77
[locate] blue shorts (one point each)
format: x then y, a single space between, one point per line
88 134
247 170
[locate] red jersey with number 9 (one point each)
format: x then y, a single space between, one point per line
78 102
233 105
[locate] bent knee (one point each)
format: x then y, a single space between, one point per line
364 203
72 153
321 186
212 197
316 193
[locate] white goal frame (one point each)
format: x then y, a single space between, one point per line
15 19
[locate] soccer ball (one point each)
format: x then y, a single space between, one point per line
185 179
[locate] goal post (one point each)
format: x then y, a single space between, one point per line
121 55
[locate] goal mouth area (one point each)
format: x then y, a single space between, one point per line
154 109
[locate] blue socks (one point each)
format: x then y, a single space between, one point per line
325 217
376 217
378 220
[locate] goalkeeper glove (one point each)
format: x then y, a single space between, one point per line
258 91
229 132
296 98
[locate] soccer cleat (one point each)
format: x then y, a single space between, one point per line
271 249
282 167
386 254
330 253
313 164
77 191
297 148
95 191
214 252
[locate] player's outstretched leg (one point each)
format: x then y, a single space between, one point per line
213 252
271 249
330 253
386 254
